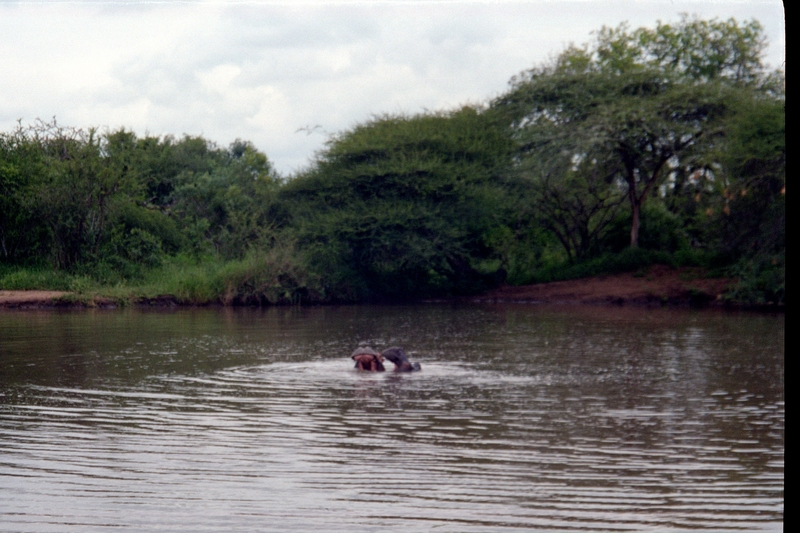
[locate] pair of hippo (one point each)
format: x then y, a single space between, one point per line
368 359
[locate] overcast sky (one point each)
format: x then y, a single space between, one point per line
287 74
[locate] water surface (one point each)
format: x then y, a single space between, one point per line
524 417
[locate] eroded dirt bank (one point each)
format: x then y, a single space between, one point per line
659 285
32 298
40 299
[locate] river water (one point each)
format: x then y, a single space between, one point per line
523 418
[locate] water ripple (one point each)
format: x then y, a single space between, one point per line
295 443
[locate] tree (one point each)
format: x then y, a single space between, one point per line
577 205
230 204
23 236
641 105
76 191
696 49
746 218
400 206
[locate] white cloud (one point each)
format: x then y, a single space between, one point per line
261 70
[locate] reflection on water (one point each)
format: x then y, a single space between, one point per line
524 417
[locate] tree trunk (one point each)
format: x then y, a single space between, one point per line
636 205
636 208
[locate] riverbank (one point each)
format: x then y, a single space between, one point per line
31 298
36 299
657 285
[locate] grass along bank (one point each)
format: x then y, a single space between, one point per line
279 278
258 279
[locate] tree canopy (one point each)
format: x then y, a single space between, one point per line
634 108
80 197
399 206
668 140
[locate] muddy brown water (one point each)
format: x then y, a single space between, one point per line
523 418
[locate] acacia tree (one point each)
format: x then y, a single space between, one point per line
640 104
571 193
401 206
748 215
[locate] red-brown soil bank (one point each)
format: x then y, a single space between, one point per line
658 285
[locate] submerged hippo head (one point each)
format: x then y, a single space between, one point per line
397 356
368 359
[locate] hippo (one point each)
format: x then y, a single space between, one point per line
368 359
397 356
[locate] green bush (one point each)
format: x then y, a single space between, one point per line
628 260
761 280
401 207
660 230
23 278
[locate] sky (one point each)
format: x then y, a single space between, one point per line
287 75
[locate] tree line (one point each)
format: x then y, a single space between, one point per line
648 144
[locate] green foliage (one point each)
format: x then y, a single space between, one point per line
660 229
34 278
131 216
746 219
400 207
682 122
628 260
589 140
118 205
277 275
230 207
627 113
23 235
131 253
701 50
750 204
761 280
